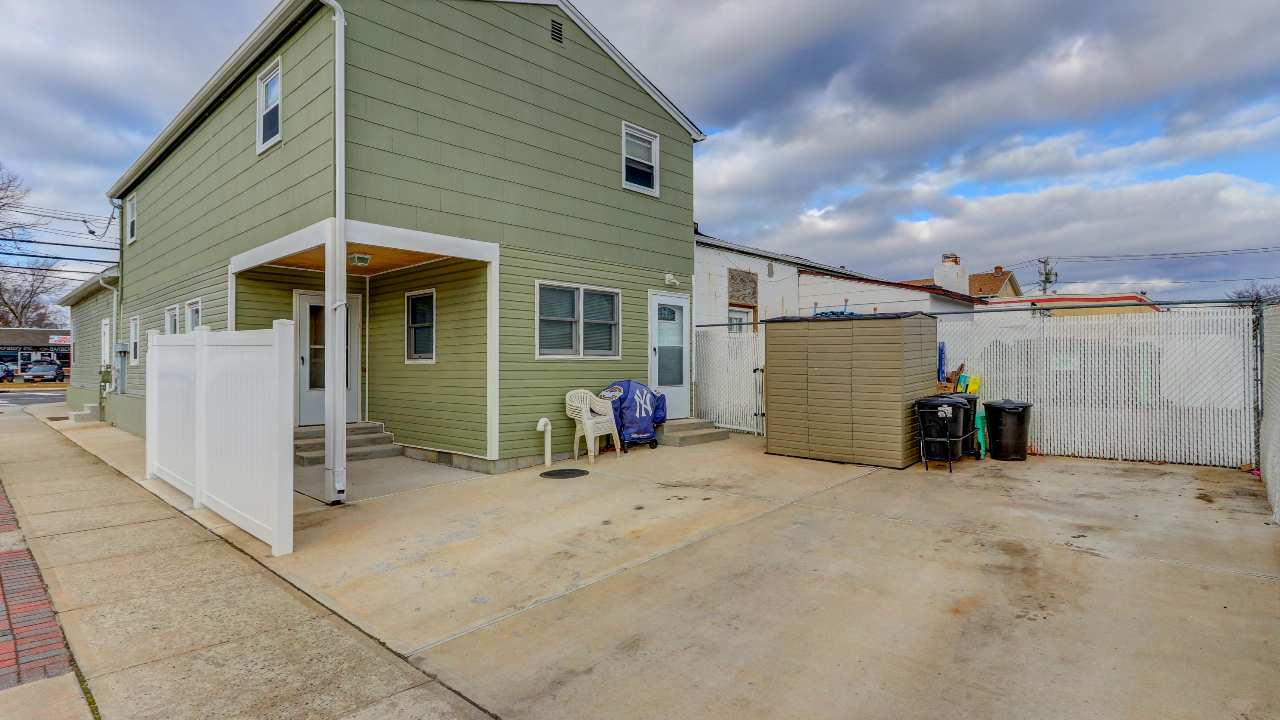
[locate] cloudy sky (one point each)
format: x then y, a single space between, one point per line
874 134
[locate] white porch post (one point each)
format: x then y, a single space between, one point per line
335 285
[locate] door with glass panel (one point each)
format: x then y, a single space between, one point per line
309 317
669 350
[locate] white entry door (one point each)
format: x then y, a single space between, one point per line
669 350
309 319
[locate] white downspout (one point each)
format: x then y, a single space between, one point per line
115 333
335 282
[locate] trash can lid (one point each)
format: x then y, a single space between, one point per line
1007 404
941 400
963 396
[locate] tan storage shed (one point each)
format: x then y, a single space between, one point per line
844 388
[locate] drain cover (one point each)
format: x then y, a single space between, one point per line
56 418
564 473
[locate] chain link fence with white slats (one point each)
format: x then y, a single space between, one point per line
1175 386
730 377
1269 433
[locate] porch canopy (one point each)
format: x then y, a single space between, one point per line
370 249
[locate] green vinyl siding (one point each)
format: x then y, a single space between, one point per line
265 294
531 388
213 197
464 121
86 329
441 406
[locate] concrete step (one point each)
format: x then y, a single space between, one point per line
682 425
353 441
90 413
317 431
366 452
693 437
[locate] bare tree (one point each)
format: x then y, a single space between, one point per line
27 285
1253 292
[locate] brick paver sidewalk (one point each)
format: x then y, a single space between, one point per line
31 643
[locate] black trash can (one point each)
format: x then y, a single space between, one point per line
1007 424
970 444
942 420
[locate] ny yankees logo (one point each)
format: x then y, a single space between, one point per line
644 404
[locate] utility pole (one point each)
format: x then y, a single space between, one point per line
1047 276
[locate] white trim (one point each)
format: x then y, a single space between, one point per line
131 219
578 320
135 340
231 300
367 234
275 69
175 312
491 349
435 299
653 138
186 314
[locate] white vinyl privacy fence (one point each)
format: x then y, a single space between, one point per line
1269 433
1176 386
220 424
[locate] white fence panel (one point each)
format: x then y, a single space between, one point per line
171 415
1173 386
1269 435
233 416
730 378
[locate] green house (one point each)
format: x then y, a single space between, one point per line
509 200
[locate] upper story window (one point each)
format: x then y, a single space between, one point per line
171 320
131 219
420 327
578 321
639 159
269 119
193 314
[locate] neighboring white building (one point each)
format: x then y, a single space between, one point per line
737 283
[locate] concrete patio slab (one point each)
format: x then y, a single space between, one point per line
378 477
121 493
89 545
131 576
416 568
320 669
812 613
116 636
1207 516
425 702
57 698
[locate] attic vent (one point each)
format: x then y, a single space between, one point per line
557 31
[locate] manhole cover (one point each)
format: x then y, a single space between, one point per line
54 419
564 473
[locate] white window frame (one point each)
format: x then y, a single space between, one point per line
135 334
652 137
105 339
273 69
172 319
192 304
579 322
131 219
435 336
737 327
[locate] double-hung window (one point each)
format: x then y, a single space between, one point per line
193 315
639 159
131 219
578 321
134 328
171 320
420 327
269 111
105 336
737 319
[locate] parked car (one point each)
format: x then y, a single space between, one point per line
44 370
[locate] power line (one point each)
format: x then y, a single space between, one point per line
43 242
37 271
54 257
1168 282
58 214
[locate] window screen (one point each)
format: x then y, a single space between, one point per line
557 321
420 326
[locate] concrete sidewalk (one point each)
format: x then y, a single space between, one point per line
166 620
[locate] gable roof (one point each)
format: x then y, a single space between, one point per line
279 21
980 284
109 275
809 267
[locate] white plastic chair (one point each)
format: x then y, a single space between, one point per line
594 419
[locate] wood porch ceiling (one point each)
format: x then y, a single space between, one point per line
383 259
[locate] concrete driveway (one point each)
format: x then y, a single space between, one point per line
718 582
